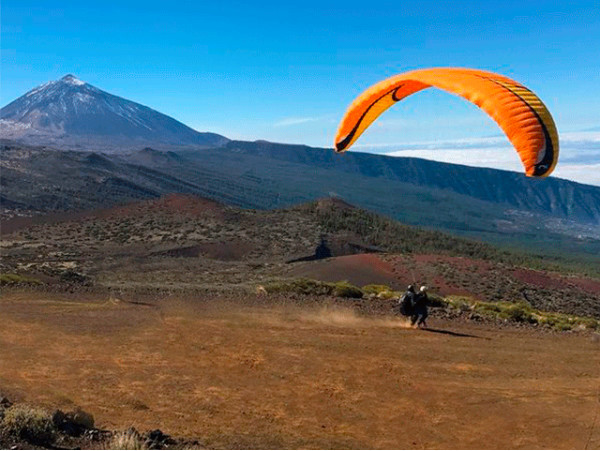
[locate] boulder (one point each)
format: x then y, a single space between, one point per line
73 423
156 439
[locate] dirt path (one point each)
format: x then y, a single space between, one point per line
287 377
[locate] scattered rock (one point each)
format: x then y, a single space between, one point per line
475 317
73 423
5 403
83 418
94 435
156 439
74 278
157 435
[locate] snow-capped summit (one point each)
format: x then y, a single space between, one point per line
72 80
70 113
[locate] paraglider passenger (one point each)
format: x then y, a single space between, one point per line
407 301
419 314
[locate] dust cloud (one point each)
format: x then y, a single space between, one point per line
334 316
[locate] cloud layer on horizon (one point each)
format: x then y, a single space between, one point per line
579 158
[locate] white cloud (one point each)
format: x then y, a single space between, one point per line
492 141
496 157
291 121
582 173
589 136
579 154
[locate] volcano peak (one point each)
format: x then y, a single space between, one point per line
72 80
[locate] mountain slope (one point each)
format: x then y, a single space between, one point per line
558 197
41 180
70 113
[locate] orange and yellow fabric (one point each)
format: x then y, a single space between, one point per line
517 110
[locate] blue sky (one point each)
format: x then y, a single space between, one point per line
284 72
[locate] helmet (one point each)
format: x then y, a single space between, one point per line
423 288
411 288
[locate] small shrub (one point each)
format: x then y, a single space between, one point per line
73 423
563 326
523 312
590 323
15 279
519 312
375 289
548 320
129 439
299 286
460 303
311 287
436 301
389 295
73 277
487 309
30 424
347 290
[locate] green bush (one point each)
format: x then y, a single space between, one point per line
460 303
375 289
590 323
563 326
28 423
15 279
311 287
436 301
389 295
381 291
300 286
549 320
521 312
487 309
347 290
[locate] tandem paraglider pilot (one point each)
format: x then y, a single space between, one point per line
405 303
419 311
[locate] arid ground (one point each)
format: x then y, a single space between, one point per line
275 374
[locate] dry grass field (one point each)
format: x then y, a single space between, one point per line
273 374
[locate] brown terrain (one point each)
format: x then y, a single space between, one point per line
277 375
147 315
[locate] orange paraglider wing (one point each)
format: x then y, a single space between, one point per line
518 111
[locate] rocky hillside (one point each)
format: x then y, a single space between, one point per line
36 180
189 243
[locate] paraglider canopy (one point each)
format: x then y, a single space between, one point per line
517 110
